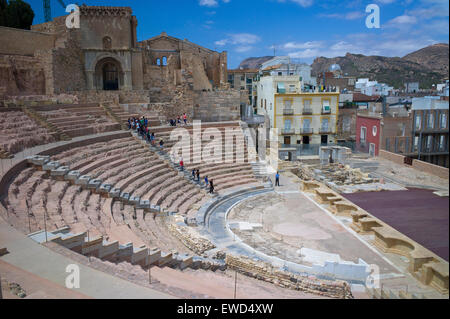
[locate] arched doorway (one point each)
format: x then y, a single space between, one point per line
108 74
110 77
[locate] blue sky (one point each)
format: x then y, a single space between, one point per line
302 29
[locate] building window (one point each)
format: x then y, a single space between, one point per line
325 125
363 135
292 88
326 106
442 143
374 130
430 120
158 61
287 125
443 120
403 129
280 73
418 124
306 126
287 104
416 143
429 142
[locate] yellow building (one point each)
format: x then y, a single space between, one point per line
306 118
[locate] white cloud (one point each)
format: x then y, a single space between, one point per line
208 3
303 3
402 20
211 3
239 39
244 48
302 45
354 15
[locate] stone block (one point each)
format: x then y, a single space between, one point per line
83 180
38 160
94 184
153 256
155 209
166 258
125 197
60 171
105 188
48 166
144 204
115 193
186 261
135 200
73 175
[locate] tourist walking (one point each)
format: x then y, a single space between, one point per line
198 175
193 173
277 179
182 165
185 118
211 187
161 144
206 181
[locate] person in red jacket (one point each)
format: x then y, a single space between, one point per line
182 164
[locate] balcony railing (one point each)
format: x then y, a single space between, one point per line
288 111
307 111
436 129
288 131
306 130
325 130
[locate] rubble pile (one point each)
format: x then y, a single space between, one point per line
266 272
188 236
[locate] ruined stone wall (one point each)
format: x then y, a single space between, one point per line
217 105
213 64
21 75
196 68
24 42
68 65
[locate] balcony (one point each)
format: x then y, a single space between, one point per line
435 129
307 111
325 130
288 111
288 131
306 130
326 110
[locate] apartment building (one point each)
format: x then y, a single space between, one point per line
242 79
302 116
430 130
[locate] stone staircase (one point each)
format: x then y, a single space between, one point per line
113 115
261 170
57 132
115 252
